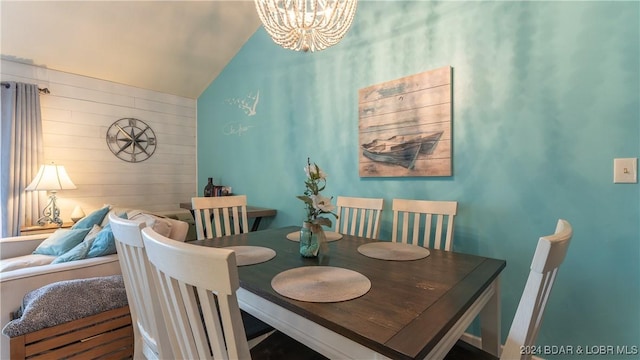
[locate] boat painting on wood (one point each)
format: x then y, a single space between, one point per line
401 150
405 126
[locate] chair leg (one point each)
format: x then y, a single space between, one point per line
279 346
465 351
255 329
257 340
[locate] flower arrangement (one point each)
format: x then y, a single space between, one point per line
315 203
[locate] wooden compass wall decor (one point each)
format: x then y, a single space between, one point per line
131 140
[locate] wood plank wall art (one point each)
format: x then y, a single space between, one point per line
405 126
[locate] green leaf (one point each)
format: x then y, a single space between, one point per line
306 199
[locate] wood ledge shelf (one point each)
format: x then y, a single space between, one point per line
43 229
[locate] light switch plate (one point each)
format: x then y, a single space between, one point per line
625 170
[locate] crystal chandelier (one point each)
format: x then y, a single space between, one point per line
306 24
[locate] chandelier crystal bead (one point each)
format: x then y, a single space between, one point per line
306 24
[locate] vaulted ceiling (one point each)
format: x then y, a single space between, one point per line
175 47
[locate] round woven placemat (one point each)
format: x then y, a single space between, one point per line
250 255
385 250
331 236
321 284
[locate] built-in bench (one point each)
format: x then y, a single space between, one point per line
82 318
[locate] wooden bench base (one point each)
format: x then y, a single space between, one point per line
107 335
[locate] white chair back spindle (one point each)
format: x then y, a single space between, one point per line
359 216
220 216
413 217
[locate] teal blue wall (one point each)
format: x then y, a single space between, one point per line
546 95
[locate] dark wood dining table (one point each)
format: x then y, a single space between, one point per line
414 310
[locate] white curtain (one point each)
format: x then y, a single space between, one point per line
21 155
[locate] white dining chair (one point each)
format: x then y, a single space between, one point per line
150 335
228 216
220 215
359 216
204 320
549 255
432 219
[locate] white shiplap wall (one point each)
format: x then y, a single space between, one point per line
76 115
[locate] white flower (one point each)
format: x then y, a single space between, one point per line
321 174
322 203
314 172
315 203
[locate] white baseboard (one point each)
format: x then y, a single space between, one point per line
477 342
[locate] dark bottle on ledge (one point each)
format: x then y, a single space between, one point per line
208 189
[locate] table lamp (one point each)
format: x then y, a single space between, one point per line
51 178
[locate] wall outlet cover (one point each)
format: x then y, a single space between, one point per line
625 170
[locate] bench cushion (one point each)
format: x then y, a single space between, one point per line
65 301
25 261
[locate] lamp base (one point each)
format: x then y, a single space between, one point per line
48 220
51 214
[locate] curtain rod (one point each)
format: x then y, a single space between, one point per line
43 90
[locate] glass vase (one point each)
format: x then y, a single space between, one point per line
309 246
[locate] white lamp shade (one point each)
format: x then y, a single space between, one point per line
51 178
